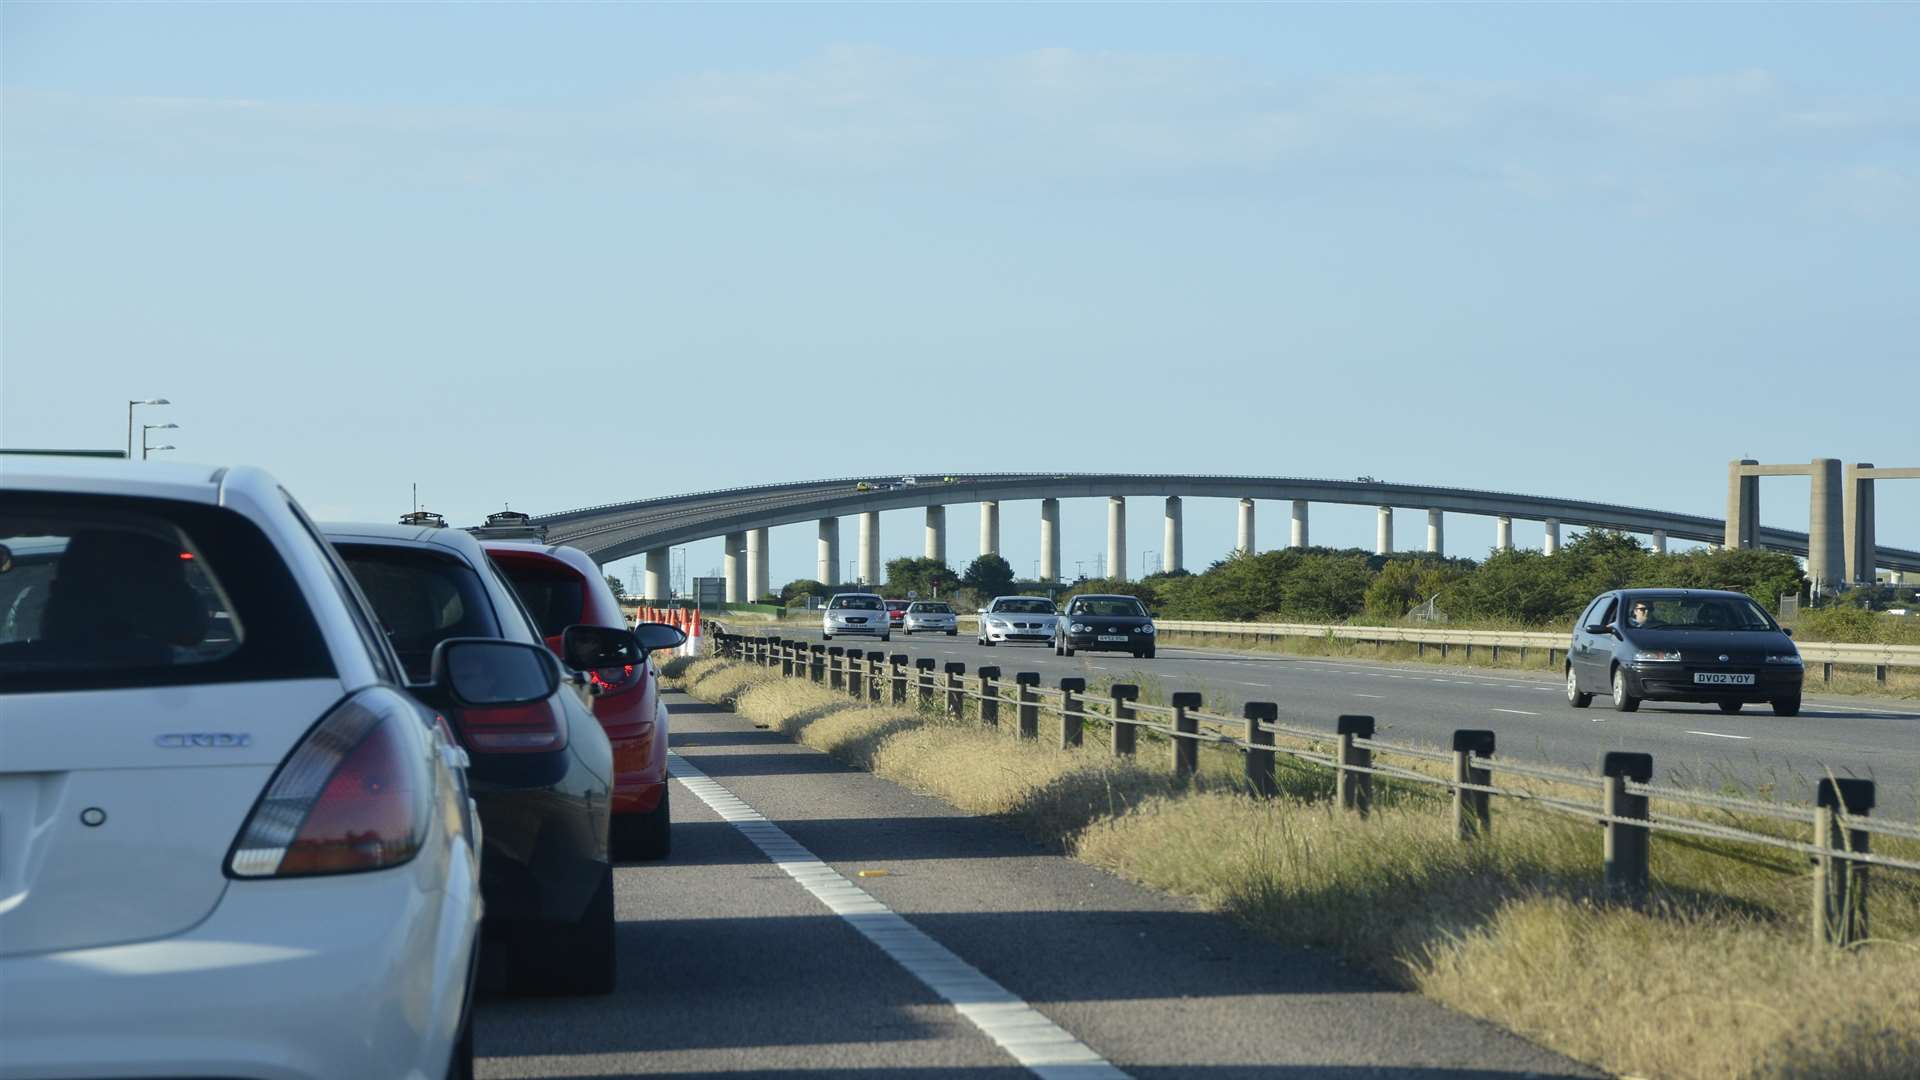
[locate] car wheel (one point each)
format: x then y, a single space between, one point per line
951 633
644 837
1787 706
1729 707
826 636
570 959
1150 651
986 643
1066 649
1622 701
886 637
1574 697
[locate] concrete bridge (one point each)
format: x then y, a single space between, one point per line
743 515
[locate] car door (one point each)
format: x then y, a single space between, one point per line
1594 652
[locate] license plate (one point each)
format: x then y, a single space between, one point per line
1113 637
1721 678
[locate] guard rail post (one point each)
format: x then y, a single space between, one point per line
836 675
898 662
1260 761
1472 810
1071 706
817 663
1840 885
923 680
1880 674
856 674
1826 671
956 693
1029 702
1626 845
1186 749
1124 735
763 650
1355 789
786 658
876 668
990 696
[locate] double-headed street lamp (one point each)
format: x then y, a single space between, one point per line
146 448
130 405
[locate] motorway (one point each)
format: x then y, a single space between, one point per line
1422 703
974 952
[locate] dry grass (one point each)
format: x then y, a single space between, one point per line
1715 979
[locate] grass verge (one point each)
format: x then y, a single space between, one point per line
1714 979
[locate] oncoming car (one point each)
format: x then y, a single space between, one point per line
856 613
1100 623
897 613
931 617
1698 645
1017 618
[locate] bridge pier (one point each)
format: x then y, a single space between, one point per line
1173 542
758 585
1244 543
658 569
1436 533
1503 533
870 547
1551 544
827 565
1826 526
936 544
1857 508
1383 532
990 527
1049 539
1299 537
1117 537
1659 541
733 566
1743 506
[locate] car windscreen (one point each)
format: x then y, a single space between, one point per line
931 609
1024 607
422 598
1696 613
896 605
104 592
1114 607
857 603
555 596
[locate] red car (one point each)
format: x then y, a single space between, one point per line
560 587
897 613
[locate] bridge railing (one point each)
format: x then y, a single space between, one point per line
1620 799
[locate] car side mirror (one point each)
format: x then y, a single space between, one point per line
1596 628
486 672
588 647
1787 630
654 635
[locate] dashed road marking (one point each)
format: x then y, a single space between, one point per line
1517 712
1376 697
1718 735
1045 1048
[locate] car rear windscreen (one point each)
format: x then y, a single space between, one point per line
422 598
554 595
105 592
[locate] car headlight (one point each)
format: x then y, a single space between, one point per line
997 623
1791 659
1146 628
1077 628
1668 656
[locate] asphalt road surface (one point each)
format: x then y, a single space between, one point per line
973 952
1425 703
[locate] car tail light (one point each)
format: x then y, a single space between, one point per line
352 796
612 680
511 729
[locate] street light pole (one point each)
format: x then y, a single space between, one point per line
130 405
144 428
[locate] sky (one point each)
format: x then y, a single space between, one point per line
556 256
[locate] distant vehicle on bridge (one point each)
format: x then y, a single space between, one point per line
509 525
426 518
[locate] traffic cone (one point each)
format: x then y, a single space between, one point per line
692 647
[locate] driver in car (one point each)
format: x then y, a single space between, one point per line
1640 614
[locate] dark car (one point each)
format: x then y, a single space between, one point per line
1099 623
1699 645
541 773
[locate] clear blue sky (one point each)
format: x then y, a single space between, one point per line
570 255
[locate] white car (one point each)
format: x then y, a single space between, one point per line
231 842
856 613
1017 618
930 617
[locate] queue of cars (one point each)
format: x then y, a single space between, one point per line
348 761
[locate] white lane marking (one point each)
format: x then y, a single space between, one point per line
1376 697
1717 735
1517 712
1045 1048
1857 708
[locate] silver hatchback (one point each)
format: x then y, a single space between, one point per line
931 617
855 613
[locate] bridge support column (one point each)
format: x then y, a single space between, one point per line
1173 543
936 546
1244 537
1826 526
1503 533
1436 533
733 566
1117 537
1743 506
758 585
1049 539
827 566
1659 541
1383 532
870 547
1299 537
1857 505
658 568
1551 544
990 527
